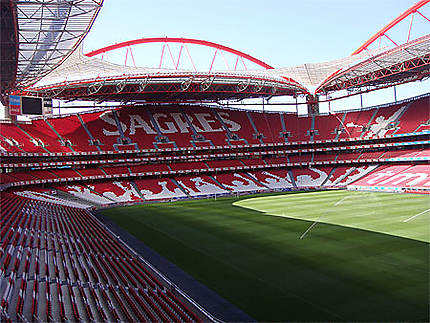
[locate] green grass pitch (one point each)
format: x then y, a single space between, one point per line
316 256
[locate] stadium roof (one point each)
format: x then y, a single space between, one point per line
406 63
40 35
89 78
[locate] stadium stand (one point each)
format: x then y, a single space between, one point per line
328 127
353 174
238 182
200 186
158 189
399 176
54 274
85 193
413 120
268 127
16 140
310 177
41 132
102 127
164 153
149 168
298 128
273 179
117 191
73 133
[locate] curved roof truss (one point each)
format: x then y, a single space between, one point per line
409 13
48 32
402 62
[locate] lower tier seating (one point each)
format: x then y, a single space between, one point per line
238 182
200 185
399 176
273 178
310 177
58 263
158 189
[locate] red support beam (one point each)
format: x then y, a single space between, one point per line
393 23
181 41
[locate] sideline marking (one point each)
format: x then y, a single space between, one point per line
412 217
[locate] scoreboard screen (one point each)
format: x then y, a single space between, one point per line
32 105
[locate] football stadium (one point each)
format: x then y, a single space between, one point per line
179 179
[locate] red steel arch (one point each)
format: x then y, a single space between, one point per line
412 10
181 41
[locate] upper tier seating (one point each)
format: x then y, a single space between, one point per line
385 121
328 127
170 126
15 139
416 118
136 125
268 125
298 128
70 128
40 131
102 127
356 123
239 125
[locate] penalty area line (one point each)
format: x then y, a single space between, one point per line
341 200
309 229
413 217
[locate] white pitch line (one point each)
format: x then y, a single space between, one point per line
309 229
338 202
412 217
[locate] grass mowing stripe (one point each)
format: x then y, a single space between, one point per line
379 212
258 263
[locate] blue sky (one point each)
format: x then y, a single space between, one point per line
279 32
